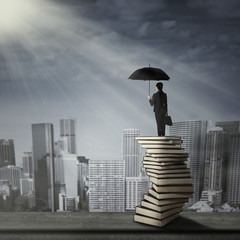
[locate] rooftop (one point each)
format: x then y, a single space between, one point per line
46 225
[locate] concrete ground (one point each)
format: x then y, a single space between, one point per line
85 225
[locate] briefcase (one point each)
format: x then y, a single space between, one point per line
168 120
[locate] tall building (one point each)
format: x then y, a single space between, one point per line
216 164
194 136
12 174
27 165
7 153
131 152
135 188
232 193
233 172
83 181
106 186
26 186
43 163
66 178
229 126
68 129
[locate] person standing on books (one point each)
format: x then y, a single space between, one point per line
160 107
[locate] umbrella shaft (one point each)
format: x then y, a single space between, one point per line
149 88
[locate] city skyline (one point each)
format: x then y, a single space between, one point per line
213 159
53 67
20 154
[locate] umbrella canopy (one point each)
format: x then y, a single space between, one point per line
148 74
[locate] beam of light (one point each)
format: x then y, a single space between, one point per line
15 13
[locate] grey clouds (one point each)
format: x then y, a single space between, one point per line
73 58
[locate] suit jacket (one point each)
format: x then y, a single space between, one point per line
159 101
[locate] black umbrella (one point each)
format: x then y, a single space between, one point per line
149 73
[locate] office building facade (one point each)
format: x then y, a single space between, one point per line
194 136
27 164
68 129
12 174
135 188
233 176
216 164
7 152
43 164
106 186
131 152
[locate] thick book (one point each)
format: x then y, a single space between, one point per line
161 196
171 181
160 146
163 176
158 138
181 170
154 207
167 155
172 189
162 163
177 166
162 202
157 215
153 221
170 142
152 159
151 150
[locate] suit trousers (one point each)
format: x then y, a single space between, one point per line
159 115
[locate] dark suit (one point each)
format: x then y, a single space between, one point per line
159 103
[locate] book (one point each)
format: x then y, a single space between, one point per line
161 202
161 196
171 181
162 163
154 207
161 146
163 176
168 142
171 159
153 221
156 214
172 189
165 167
181 170
167 155
150 150
158 138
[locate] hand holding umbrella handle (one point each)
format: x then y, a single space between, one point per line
149 97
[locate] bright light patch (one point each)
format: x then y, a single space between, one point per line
14 14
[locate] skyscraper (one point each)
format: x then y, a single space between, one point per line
232 128
106 186
131 152
7 153
27 165
229 126
233 176
12 174
43 159
194 136
68 129
215 164
83 180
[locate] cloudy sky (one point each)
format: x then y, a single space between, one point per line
72 58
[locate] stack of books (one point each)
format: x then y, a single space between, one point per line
165 164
